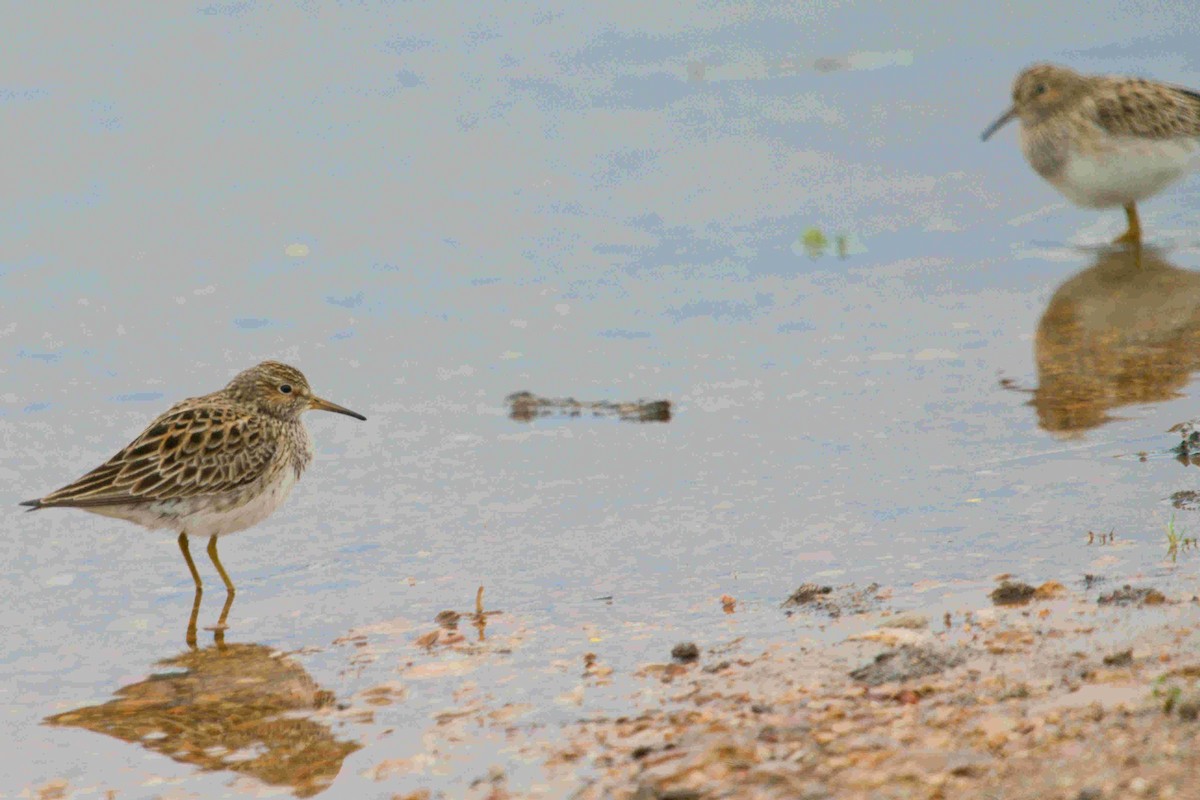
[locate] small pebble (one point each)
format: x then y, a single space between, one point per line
1121 659
1189 708
685 652
1012 593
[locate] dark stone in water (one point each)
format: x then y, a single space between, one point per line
1121 659
1011 593
685 652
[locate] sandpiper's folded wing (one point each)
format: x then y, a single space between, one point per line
194 449
1148 110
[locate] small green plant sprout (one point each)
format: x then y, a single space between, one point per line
815 242
1167 693
1177 541
1173 537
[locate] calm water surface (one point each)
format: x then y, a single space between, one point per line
427 210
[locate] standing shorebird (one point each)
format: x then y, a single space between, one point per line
209 466
1105 141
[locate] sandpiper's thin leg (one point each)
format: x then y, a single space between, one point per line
1134 234
212 553
187 556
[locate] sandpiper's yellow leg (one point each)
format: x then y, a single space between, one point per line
212 553
219 628
190 636
1134 234
187 556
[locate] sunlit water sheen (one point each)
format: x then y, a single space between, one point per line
427 211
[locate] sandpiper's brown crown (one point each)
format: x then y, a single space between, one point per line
1045 89
272 388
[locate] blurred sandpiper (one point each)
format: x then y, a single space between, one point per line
1105 141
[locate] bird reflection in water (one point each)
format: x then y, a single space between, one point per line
1125 330
237 707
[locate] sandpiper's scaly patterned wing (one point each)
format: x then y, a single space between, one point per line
1147 109
194 449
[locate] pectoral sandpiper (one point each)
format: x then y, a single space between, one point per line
209 466
1105 141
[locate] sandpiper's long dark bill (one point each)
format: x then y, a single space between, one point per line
1003 120
324 405
211 465
1104 141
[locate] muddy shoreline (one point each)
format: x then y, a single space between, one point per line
1011 701
1076 691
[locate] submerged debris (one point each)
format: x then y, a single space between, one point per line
834 601
807 593
1010 593
1127 594
904 663
1050 590
1122 659
1189 431
1186 500
527 406
1188 450
685 652
447 632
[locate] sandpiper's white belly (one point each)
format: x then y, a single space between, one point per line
221 522
1125 170
215 515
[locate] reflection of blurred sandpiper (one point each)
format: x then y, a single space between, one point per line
1113 335
232 707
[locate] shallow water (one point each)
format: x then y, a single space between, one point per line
893 354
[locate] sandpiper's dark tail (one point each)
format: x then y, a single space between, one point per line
33 504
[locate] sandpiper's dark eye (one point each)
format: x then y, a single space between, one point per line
1039 89
286 388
